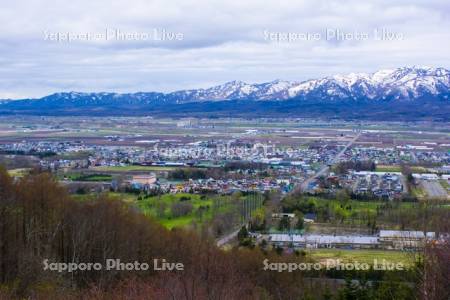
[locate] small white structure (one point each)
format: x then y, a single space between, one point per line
281 215
386 239
324 241
398 239
425 176
144 179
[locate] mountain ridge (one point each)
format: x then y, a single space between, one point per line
406 83
409 93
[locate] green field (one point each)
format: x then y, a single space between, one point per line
133 168
418 192
19 172
386 168
356 206
396 168
203 208
363 256
126 197
89 177
444 184
346 211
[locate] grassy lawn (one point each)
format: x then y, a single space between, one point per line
387 168
396 168
178 222
418 192
203 208
19 172
352 212
363 256
126 197
84 197
444 184
133 168
417 169
356 206
89 177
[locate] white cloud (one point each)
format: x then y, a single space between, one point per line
222 41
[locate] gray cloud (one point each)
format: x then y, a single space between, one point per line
221 41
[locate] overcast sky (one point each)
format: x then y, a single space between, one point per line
212 42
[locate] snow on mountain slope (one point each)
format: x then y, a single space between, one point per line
404 84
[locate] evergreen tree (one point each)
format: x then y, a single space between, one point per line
285 223
242 234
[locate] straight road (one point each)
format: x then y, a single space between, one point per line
324 170
434 189
227 238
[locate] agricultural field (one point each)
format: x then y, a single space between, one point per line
387 168
362 256
396 168
20 172
133 168
89 177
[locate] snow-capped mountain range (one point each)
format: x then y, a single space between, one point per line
403 84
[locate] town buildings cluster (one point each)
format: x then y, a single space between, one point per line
284 166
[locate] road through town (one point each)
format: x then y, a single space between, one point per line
324 170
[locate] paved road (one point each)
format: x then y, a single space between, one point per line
226 239
434 189
324 170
